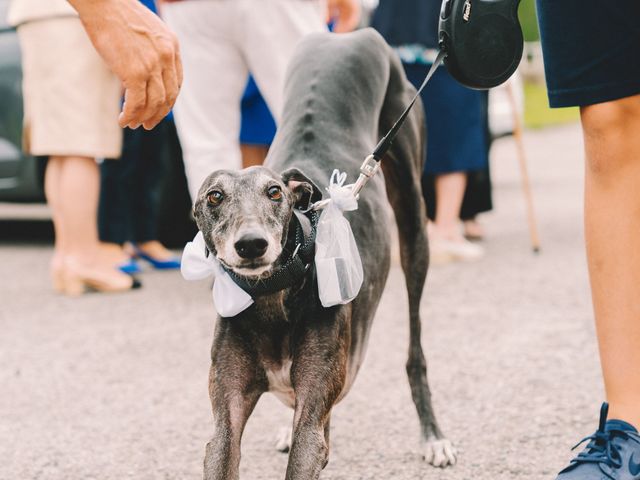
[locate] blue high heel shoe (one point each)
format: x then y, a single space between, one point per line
171 264
130 267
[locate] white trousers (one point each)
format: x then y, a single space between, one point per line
221 41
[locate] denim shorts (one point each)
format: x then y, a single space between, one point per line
591 50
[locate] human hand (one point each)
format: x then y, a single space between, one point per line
141 50
345 13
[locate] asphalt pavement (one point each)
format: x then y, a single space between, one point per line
115 387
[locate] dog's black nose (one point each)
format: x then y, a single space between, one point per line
251 246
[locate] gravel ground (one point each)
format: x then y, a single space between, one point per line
115 387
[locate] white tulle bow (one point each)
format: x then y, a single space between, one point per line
338 265
341 194
228 298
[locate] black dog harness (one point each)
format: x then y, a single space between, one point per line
292 269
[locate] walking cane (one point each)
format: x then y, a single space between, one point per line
522 160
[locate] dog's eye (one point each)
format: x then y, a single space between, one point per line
215 197
275 194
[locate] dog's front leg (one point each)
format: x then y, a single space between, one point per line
234 391
310 447
317 384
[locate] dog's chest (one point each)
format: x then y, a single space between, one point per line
279 377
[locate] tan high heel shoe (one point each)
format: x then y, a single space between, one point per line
57 275
57 279
77 282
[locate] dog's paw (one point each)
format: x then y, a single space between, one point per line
283 440
439 453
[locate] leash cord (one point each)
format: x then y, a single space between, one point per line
371 164
386 142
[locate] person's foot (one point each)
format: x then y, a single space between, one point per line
115 254
445 247
473 230
613 453
157 255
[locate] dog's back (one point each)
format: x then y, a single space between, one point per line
342 93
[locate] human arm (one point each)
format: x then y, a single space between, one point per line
141 50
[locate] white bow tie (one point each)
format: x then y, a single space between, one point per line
228 298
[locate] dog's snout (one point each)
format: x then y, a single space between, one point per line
251 246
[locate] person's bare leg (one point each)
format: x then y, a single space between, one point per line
52 178
77 201
253 155
449 193
446 240
612 230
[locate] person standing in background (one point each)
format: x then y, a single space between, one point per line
71 107
130 195
455 129
130 201
222 41
257 126
477 197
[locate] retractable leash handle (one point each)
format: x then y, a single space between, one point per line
483 41
481 44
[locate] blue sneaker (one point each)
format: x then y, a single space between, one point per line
613 453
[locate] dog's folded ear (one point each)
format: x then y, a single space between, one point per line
304 190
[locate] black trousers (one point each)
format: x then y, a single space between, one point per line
131 186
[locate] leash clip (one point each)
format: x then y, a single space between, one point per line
368 169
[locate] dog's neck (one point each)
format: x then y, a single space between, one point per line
293 267
277 306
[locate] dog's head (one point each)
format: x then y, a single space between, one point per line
244 215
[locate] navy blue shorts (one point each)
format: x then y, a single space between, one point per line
591 50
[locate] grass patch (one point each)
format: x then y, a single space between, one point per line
537 113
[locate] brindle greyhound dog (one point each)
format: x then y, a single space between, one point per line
342 93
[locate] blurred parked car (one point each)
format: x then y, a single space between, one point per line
22 176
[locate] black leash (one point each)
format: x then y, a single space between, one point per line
371 164
386 142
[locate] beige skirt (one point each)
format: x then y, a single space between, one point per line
71 98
